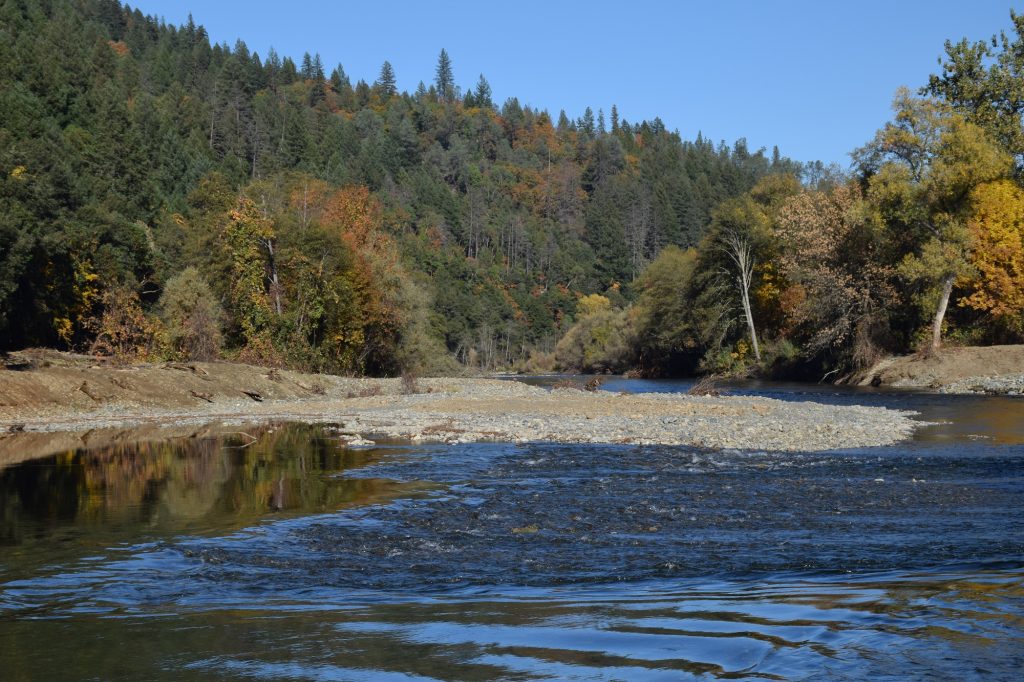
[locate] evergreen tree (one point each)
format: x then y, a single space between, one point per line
586 124
483 94
444 78
385 83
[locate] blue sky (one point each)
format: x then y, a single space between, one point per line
815 78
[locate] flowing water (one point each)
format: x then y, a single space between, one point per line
292 558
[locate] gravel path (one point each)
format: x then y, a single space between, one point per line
467 410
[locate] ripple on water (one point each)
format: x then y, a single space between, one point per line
562 562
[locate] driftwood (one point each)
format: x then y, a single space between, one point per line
316 389
86 389
708 385
187 367
17 364
254 395
121 383
208 397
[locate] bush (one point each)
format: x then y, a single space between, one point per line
540 362
602 340
192 316
124 331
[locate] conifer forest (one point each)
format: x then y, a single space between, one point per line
163 196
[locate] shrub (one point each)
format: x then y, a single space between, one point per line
602 341
192 316
124 331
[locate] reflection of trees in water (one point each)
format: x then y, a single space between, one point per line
179 484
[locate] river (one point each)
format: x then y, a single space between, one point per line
277 554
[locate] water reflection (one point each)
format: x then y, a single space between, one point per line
68 504
884 627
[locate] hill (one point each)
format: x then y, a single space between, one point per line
319 223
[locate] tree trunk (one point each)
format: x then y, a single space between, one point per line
940 314
275 285
744 288
738 250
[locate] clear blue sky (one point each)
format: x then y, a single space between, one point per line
816 78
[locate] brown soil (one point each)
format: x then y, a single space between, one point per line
53 384
945 367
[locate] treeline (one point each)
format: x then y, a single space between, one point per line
921 243
165 196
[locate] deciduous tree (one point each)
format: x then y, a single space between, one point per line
921 169
996 227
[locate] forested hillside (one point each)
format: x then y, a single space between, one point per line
164 196
920 244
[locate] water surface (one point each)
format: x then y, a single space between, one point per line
292 558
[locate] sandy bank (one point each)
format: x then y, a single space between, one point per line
972 369
76 397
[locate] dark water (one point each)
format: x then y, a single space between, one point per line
291 558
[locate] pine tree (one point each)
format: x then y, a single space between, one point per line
615 119
483 94
444 78
385 84
319 91
586 124
307 67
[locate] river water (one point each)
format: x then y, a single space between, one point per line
292 558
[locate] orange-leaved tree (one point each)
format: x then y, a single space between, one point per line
357 216
996 229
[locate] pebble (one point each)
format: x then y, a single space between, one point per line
472 410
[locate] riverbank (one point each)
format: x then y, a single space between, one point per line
993 370
72 396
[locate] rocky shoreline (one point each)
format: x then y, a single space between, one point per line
440 410
1005 384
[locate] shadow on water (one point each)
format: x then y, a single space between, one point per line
292 558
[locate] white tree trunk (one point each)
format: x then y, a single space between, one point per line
940 313
745 289
738 249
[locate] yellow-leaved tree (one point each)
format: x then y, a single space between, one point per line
997 239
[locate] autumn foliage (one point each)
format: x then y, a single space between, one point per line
997 252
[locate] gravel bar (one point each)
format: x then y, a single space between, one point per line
471 410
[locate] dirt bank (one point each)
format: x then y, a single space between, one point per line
975 369
67 394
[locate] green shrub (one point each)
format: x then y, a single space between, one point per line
192 316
